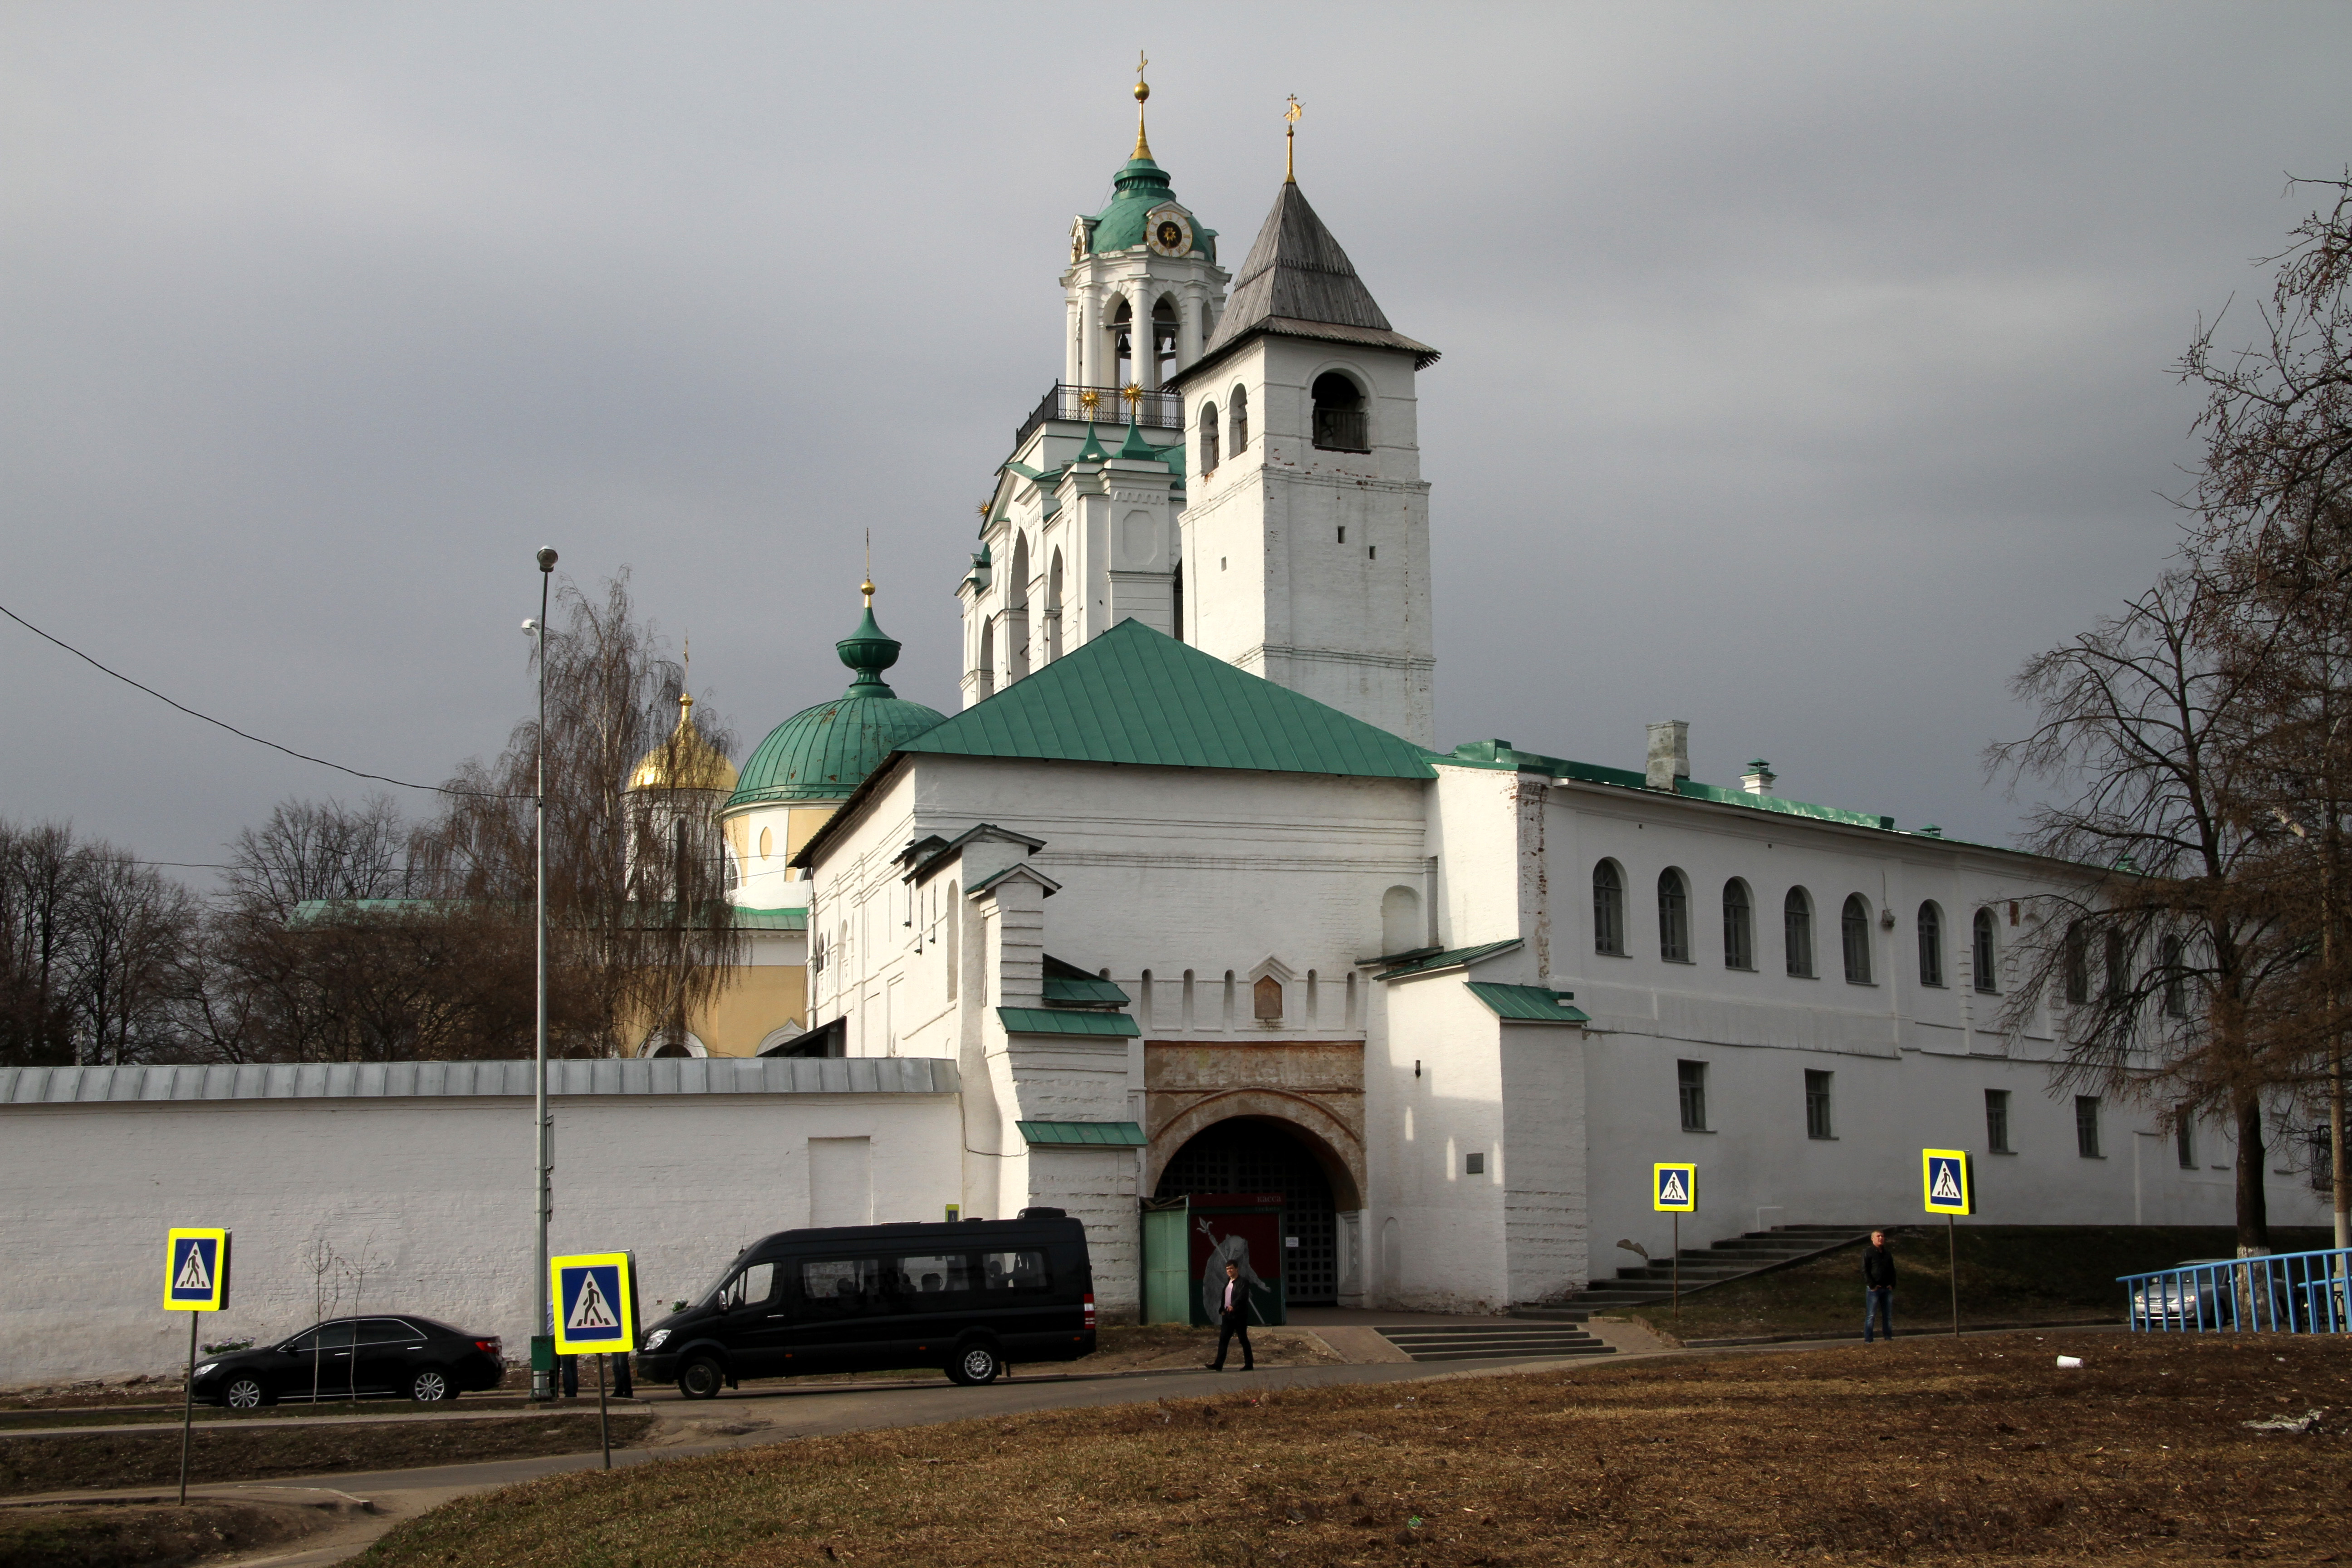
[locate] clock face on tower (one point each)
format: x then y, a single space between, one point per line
1168 231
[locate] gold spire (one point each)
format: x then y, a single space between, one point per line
866 587
1142 92
1290 141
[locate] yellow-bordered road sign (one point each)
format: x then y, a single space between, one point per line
595 1299
196 1270
1947 1185
1674 1189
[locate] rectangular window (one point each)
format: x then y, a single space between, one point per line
2176 994
1817 1105
2087 1126
934 1275
1997 1122
841 1286
1474 1164
1690 1083
1015 1270
2184 1140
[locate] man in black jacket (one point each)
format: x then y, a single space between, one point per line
1233 1318
1877 1288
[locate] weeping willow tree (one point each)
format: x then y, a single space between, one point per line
640 934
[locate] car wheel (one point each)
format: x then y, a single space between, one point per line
430 1387
245 1394
975 1366
701 1378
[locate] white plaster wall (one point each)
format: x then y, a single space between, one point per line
436 1192
1451 1227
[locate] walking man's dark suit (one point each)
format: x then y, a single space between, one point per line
1233 1318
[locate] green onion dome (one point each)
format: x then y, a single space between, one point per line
824 753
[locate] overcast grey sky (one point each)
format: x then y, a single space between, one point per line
1806 366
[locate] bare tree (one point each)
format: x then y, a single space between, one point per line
318 850
2162 951
2273 533
130 927
642 932
36 876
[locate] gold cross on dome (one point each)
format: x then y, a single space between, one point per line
1290 141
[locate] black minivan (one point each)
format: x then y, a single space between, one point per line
971 1298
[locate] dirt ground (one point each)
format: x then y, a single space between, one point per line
1925 1451
103 1459
126 1536
2009 1274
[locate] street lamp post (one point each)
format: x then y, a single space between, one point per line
542 1359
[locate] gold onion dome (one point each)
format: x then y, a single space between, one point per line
685 760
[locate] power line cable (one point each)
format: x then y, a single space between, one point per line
300 756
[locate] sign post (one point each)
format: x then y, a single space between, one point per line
1674 1189
594 1301
1948 1187
195 1280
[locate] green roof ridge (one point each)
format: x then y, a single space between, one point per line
1135 445
1139 697
1092 452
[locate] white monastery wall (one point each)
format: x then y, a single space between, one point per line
433 1194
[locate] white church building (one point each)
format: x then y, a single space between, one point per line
1187 899
1190 896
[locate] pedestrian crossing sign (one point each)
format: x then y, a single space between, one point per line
195 1270
1674 1189
596 1299
1946 1181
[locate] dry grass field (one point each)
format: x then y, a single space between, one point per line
1978 1450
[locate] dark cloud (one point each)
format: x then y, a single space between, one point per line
1806 366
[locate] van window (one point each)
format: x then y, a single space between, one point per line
842 1286
756 1286
933 1276
1015 1270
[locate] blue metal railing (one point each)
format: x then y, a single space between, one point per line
2283 1292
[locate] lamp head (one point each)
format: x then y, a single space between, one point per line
546 559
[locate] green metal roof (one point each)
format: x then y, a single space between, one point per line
1501 753
1064 1021
771 919
1137 696
1069 986
1143 185
1529 1004
825 752
1081 1134
1453 958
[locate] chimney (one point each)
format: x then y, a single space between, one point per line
1669 754
1757 779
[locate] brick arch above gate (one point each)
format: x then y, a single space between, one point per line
1333 1142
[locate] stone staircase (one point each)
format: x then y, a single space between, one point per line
1488 1341
1735 1257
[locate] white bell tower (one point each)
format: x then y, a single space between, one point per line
1306 530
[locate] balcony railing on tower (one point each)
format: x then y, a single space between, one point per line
1153 410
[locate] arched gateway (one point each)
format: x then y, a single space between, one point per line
1258 1154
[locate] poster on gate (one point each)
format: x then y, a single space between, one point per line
1244 1228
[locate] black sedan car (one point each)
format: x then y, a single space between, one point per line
406 1357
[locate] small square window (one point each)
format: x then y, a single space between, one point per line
1474 1164
1343 534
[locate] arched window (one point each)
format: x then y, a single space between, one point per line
1341 422
1607 908
1265 1000
1143 999
2118 976
1016 607
1674 917
1738 926
2078 966
1981 956
1931 944
1854 929
1797 931
2176 980
988 657
1401 928
1122 325
1238 405
1208 439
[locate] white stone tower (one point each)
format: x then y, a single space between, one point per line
1306 529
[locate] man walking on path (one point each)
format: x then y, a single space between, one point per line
1233 1318
1877 1288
